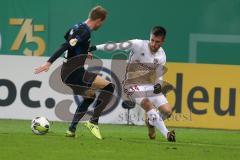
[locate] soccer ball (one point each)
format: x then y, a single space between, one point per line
40 125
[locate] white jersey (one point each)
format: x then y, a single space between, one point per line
140 53
144 67
143 71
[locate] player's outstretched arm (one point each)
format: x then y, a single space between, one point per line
109 47
45 67
127 45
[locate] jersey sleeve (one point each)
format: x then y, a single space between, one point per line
76 36
73 38
58 52
126 46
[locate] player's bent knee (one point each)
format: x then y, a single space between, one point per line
146 104
100 83
168 112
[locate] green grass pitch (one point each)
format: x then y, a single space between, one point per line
121 142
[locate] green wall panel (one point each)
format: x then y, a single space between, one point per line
130 20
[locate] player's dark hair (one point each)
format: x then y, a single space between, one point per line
98 12
159 31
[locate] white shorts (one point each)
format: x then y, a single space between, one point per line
138 93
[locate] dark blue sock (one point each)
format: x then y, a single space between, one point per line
80 112
103 99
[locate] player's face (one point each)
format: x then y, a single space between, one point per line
98 24
155 42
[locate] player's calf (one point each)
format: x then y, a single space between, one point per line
103 99
165 111
151 130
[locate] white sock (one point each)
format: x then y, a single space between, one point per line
155 120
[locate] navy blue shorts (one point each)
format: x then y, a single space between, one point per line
77 78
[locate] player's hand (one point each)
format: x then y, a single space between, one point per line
44 67
157 88
90 55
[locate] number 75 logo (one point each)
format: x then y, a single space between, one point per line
27 30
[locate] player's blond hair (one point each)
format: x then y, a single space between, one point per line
98 12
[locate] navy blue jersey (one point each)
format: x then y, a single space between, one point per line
80 34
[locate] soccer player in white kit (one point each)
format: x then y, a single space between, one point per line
143 79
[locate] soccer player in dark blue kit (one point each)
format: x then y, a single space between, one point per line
75 76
